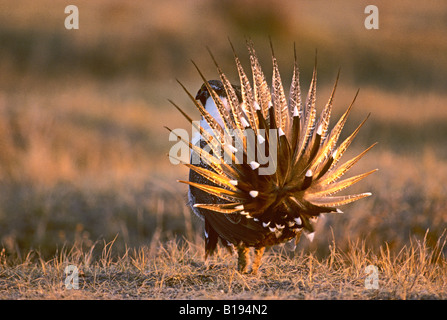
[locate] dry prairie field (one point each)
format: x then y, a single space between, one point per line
85 180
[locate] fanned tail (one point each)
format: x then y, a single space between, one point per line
306 167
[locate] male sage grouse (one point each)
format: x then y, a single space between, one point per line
264 167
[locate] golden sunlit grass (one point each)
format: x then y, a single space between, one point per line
176 270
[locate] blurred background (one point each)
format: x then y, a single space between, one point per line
83 151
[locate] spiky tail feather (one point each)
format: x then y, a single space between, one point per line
307 166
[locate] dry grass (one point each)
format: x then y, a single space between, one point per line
83 148
176 270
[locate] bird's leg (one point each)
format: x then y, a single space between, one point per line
297 238
259 252
243 258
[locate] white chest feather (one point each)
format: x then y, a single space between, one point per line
210 106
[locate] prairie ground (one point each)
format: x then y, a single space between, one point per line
85 179
176 270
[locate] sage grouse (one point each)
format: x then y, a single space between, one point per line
263 167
